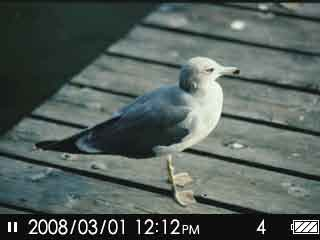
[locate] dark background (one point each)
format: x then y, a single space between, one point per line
43 45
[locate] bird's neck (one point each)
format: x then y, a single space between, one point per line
201 91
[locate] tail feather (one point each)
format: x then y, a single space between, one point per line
66 146
46 145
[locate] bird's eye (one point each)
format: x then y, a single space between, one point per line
209 70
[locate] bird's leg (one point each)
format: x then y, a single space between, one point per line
184 198
170 170
180 179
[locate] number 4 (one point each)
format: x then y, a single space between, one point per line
261 227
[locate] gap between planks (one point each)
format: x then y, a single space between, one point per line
272 67
238 78
13 209
286 13
226 39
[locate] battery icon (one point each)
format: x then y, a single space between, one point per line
305 227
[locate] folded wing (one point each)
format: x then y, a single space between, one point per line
135 131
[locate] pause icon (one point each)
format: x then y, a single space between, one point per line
12 227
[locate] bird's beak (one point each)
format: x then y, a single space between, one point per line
230 70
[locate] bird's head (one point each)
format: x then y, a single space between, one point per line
199 72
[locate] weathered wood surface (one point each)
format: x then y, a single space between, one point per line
215 180
277 148
310 11
262 157
4 210
53 190
262 28
244 99
258 64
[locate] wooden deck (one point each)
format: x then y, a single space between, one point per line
264 156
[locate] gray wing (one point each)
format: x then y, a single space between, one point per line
137 130
148 97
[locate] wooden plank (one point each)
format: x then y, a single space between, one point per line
278 148
263 29
215 180
4 210
305 10
258 64
55 191
243 99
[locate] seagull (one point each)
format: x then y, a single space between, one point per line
160 123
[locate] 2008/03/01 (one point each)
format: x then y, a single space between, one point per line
110 227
